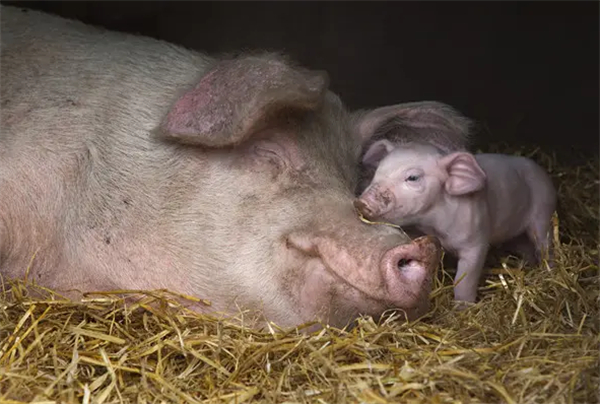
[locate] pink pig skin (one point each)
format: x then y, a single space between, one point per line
131 163
468 201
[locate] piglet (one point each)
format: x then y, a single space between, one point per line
468 201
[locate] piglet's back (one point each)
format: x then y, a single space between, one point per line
515 187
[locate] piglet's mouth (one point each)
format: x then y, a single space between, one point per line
367 221
374 202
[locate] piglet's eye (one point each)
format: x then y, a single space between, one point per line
412 178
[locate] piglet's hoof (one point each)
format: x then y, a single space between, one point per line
460 305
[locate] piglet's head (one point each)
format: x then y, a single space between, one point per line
407 181
412 178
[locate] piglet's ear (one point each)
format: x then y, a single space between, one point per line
377 152
238 97
464 173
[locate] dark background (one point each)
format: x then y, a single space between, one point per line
527 72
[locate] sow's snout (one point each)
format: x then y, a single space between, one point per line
407 270
366 272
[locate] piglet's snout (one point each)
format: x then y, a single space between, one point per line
374 202
408 268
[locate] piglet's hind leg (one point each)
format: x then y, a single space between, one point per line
539 233
522 245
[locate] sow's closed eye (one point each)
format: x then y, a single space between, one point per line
270 154
279 152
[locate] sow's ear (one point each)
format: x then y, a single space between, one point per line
238 97
428 121
377 152
464 173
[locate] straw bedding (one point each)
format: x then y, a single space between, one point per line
533 338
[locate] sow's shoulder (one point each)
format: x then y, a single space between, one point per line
55 56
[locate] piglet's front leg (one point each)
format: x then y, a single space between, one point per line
470 268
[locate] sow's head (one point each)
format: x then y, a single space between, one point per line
278 166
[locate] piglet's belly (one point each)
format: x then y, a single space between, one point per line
510 226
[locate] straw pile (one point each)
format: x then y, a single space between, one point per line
533 338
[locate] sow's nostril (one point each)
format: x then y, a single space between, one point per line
407 272
413 261
423 250
403 262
